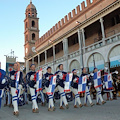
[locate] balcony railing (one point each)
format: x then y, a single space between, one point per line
89 48
99 44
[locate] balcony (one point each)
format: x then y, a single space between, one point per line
99 44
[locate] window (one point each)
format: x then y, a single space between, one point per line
26 38
115 20
42 57
72 40
58 48
33 36
28 14
26 25
49 52
32 14
33 23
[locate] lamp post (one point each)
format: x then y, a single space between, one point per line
50 41
93 60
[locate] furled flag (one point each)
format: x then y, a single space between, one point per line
52 85
1 94
108 81
2 75
68 82
17 81
39 80
97 79
82 84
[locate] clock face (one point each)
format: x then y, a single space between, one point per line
26 50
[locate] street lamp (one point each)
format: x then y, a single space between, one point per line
77 22
93 60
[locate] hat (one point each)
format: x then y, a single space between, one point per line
95 68
73 70
48 67
59 65
32 65
83 68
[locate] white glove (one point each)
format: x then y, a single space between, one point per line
35 86
60 75
75 80
89 84
3 81
12 77
47 78
91 74
31 77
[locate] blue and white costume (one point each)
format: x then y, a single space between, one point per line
15 95
74 89
87 92
30 77
46 80
3 84
61 76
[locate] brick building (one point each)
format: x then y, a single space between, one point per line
88 36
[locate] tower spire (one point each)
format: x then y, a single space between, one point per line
30 1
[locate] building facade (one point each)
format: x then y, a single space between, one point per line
89 36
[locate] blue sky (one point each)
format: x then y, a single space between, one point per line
12 22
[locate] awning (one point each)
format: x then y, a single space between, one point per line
114 57
115 61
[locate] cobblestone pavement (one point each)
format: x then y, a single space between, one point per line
109 111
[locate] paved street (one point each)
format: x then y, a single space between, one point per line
109 111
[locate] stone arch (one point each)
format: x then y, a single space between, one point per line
74 65
95 60
114 56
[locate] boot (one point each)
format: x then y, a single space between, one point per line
118 93
75 106
61 107
80 105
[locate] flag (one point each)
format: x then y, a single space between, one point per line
108 81
52 85
68 82
17 81
97 79
39 80
2 75
82 84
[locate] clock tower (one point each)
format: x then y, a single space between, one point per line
31 30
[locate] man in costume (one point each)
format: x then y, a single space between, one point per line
3 84
61 76
98 90
16 81
74 85
87 92
47 78
31 81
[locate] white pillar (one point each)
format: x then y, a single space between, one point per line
45 56
83 40
53 58
33 60
65 49
80 39
103 31
38 60
27 66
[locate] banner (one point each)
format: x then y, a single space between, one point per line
82 84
